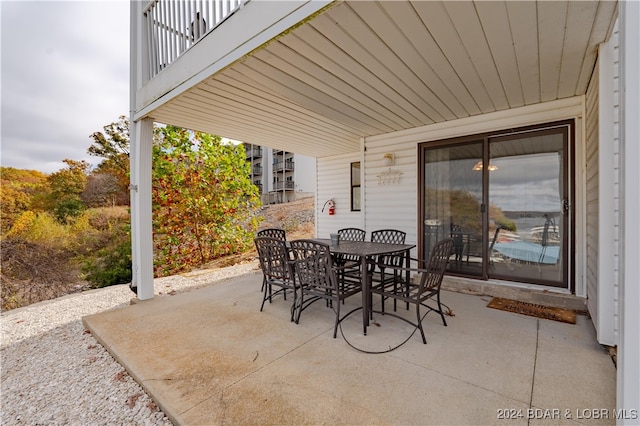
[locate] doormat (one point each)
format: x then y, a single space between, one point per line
533 310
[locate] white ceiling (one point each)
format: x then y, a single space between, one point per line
363 68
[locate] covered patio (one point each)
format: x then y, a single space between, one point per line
209 356
355 83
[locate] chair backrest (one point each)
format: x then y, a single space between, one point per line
276 233
438 260
389 236
352 234
274 258
313 265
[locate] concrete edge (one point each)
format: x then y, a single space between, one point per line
135 375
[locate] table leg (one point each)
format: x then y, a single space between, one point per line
365 293
407 276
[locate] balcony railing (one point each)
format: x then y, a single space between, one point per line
287 185
287 165
173 26
254 152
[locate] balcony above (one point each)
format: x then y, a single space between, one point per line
172 28
292 73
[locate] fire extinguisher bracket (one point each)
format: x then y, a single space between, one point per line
331 207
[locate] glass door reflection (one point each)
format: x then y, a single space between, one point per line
452 201
527 190
504 199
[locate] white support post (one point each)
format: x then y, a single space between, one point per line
141 142
629 347
141 134
605 324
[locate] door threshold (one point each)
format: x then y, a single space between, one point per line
547 296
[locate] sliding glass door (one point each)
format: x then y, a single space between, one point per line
452 200
504 199
527 199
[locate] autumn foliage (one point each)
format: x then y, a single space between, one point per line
204 203
70 230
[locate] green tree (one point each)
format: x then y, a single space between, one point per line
204 201
66 186
112 146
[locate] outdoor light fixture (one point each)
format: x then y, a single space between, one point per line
478 166
387 159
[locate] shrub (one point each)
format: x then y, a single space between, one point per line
107 248
69 209
33 272
111 266
41 229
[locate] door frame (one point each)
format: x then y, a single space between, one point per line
569 178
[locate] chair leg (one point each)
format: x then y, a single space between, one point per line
335 326
406 291
370 302
299 308
395 290
440 310
293 305
267 294
382 298
419 322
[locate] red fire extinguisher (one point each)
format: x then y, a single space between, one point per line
332 207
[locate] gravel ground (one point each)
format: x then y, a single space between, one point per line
54 372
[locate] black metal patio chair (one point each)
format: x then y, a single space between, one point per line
418 293
317 279
352 234
389 236
350 264
277 233
277 270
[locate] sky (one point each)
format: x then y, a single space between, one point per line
64 76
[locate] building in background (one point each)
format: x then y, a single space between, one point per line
281 176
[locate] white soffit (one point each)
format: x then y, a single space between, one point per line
368 68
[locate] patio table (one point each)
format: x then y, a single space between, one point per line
365 250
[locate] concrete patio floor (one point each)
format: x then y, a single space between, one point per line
210 357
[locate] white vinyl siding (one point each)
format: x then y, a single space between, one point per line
602 194
391 197
617 203
390 200
334 183
592 196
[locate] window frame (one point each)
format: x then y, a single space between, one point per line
355 185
